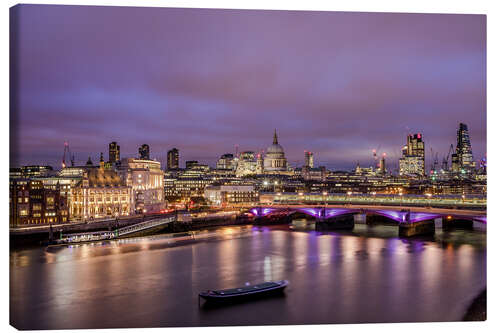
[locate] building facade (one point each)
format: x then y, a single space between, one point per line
247 165
145 177
308 159
173 159
226 162
144 152
114 153
101 193
29 171
31 203
413 161
221 195
183 189
464 158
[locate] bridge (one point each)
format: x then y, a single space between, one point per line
379 199
117 233
417 220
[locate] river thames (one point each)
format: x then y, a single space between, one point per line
368 275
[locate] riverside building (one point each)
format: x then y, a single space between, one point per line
31 203
101 193
221 195
145 177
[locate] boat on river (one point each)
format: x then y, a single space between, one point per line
246 292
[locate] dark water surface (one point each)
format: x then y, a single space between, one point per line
368 275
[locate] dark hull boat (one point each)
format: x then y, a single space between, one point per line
244 293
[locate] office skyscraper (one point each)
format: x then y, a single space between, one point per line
190 164
173 159
308 159
464 150
413 160
114 152
144 152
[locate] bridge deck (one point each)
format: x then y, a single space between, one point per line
104 235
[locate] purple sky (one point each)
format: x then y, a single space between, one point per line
337 84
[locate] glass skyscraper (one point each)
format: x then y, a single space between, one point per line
464 149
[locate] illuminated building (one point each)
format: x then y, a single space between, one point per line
226 162
144 152
411 166
413 161
308 159
455 163
465 161
76 171
30 171
31 203
195 170
275 157
145 177
190 164
100 193
309 173
259 169
364 171
247 165
113 152
173 159
185 188
221 195
382 169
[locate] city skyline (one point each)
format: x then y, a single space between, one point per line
163 158
232 76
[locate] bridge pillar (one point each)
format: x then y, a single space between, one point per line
426 227
438 222
479 226
360 218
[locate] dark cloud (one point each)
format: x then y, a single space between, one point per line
338 84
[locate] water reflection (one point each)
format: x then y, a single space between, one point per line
334 278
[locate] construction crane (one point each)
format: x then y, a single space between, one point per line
434 161
445 160
375 158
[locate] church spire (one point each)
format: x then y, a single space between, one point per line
275 140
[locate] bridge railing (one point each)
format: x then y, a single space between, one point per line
144 225
104 235
383 199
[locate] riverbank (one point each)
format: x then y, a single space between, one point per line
35 238
477 309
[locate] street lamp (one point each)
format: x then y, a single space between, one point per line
401 199
324 197
429 195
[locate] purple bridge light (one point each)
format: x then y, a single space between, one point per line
481 219
405 217
327 213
